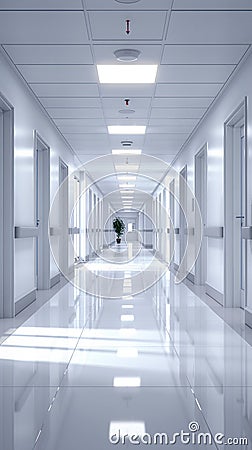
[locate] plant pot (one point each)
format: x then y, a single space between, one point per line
118 240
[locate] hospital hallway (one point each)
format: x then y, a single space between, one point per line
83 367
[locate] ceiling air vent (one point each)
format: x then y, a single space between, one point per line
127 54
126 143
127 1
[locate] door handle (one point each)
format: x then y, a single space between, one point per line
240 217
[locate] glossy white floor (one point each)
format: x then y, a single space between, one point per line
83 367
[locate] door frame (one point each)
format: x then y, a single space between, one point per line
200 161
182 214
42 210
172 224
63 217
232 292
7 305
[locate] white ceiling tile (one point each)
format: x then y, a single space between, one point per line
169 129
119 103
171 122
182 102
210 27
187 90
42 27
114 113
40 4
65 90
159 141
203 54
59 73
50 54
111 4
125 121
75 113
150 54
212 4
80 122
177 113
115 140
126 90
76 129
68 102
194 73
108 25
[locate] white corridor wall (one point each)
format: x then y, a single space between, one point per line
211 131
29 116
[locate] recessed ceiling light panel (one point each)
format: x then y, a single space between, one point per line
127 54
127 152
126 129
127 74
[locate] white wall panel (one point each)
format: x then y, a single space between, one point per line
211 131
28 116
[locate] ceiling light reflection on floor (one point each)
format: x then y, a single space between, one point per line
127 353
127 318
127 332
130 428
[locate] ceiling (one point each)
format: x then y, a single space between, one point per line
56 45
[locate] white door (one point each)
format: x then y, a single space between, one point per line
42 208
201 196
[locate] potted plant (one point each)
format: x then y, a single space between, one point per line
119 227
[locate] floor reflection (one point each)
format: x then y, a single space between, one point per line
82 366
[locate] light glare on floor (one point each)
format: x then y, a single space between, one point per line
127 382
127 332
127 353
131 428
127 74
127 306
127 318
126 129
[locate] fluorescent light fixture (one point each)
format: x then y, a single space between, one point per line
125 185
127 192
127 318
126 129
127 197
127 382
127 352
126 177
127 74
126 152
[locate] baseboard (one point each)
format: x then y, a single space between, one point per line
54 280
190 276
25 301
175 266
213 293
248 317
